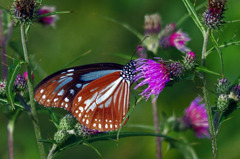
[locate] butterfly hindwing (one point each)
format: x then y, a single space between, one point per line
60 88
103 104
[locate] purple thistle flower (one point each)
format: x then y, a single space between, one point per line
179 40
189 60
20 82
175 69
48 20
152 24
196 118
3 85
214 14
153 73
83 131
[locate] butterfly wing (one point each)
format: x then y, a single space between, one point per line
60 88
103 104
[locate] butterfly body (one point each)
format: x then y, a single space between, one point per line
96 94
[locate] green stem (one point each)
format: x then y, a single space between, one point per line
219 52
52 151
31 96
156 125
10 129
207 101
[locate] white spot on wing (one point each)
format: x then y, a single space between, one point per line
41 91
66 99
69 74
44 96
106 126
87 121
71 91
79 98
78 85
60 93
94 124
56 99
81 109
66 105
71 70
99 126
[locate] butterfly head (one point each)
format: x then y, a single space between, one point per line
128 71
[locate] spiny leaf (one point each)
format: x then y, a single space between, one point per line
94 148
12 74
191 10
184 148
205 70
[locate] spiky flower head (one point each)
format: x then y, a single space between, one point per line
189 60
67 122
235 93
141 51
20 83
179 40
3 85
223 86
83 131
47 20
61 136
154 74
196 118
175 69
164 41
24 11
222 102
152 24
213 17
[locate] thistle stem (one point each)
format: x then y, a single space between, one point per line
3 48
156 125
10 129
51 152
31 96
207 101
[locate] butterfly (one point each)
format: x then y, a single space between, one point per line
96 94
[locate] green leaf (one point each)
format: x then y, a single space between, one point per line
5 102
205 70
191 10
126 26
54 13
12 74
73 140
184 148
94 148
222 46
180 21
54 118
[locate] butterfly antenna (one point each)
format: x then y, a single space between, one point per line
141 42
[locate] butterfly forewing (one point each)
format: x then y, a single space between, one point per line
103 104
60 88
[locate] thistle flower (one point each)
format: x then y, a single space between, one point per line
235 93
214 14
48 20
153 73
3 87
24 11
25 76
83 131
67 122
164 41
141 51
179 40
189 60
61 136
196 118
20 83
222 102
175 69
152 24
223 86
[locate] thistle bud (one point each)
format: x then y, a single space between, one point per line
141 51
235 93
60 136
189 61
67 122
175 69
152 24
83 131
222 102
222 86
24 11
3 87
214 14
47 20
20 83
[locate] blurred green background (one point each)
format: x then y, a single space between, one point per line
85 30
